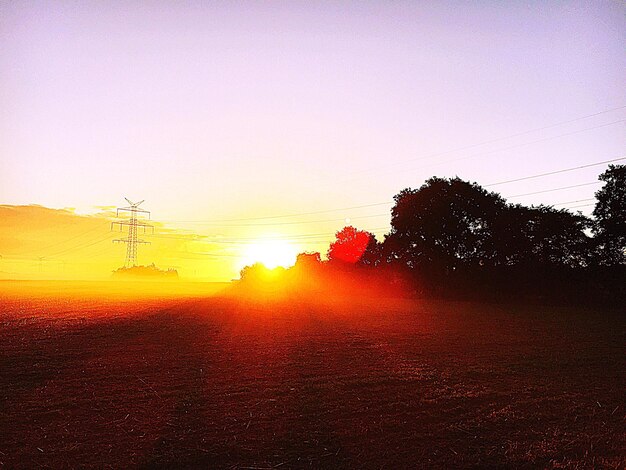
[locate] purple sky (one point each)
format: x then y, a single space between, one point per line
218 110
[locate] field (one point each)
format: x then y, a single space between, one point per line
173 377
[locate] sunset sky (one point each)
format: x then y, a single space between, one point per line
223 115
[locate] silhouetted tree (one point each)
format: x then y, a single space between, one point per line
349 246
453 237
307 272
259 273
373 254
445 224
513 243
558 237
542 236
610 216
308 261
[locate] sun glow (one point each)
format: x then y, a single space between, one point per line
271 253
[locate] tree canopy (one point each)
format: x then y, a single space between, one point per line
446 223
456 237
349 245
610 216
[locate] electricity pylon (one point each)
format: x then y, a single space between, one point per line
133 225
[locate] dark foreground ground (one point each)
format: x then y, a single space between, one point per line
193 382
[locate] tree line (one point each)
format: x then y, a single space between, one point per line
454 238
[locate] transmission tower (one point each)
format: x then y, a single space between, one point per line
133 225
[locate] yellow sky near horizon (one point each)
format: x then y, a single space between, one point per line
42 243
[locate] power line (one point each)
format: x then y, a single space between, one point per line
77 236
220 221
449 161
282 215
480 154
554 189
581 205
306 238
107 237
107 249
510 136
69 250
318 237
554 172
207 255
524 144
244 240
312 237
62 242
289 223
573 202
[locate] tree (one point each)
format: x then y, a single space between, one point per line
308 261
445 224
556 237
373 253
541 236
349 246
259 273
609 226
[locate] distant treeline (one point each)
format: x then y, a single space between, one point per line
453 238
149 273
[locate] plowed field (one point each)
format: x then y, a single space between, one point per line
105 380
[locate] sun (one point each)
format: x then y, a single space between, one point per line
271 253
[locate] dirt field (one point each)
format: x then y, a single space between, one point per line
180 379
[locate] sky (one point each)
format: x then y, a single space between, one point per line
222 115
